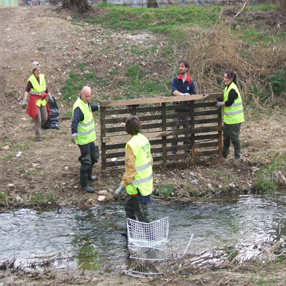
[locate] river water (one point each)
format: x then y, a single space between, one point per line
89 239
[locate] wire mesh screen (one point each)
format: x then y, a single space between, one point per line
147 241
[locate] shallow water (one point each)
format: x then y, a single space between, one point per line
90 240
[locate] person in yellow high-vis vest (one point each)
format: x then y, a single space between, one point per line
138 176
233 115
38 107
83 134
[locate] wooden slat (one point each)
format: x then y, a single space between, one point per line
123 119
220 142
115 146
116 163
160 99
205 145
187 164
205 104
205 112
172 165
102 128
206 153
115 155
206 121
164 138
152 135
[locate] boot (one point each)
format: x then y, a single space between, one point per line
90 177
124 232
84 184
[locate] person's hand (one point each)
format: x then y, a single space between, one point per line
98 106
51 98
186 94
24 103
219 104
118 192
74 137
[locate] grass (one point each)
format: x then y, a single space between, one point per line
40 197
2 196
165 190
269 175
8 157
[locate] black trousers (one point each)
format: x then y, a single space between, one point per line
134 209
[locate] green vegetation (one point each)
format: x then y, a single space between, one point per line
271 175
214 44
8 157
41 197
2 196
165 190
76 82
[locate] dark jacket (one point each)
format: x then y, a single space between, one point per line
184 87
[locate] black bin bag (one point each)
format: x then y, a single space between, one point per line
53 121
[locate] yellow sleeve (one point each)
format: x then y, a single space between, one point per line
130 170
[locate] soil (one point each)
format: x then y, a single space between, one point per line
47 174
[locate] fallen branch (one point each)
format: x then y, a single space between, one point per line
240 10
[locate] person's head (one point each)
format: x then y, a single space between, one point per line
183 66
86 94
132 125
229 77
36 69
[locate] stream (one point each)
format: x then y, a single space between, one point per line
89 239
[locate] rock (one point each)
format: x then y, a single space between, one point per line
10 185
34 165
210 186
69 18
90 202
5 147
103 192
66 168
220 186
232 185
101 198
254 169
194 181
19 154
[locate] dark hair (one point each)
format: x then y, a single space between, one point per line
132 125
231 74
185 62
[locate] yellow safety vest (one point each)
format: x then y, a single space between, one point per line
233 114
143 179
85 128
38 89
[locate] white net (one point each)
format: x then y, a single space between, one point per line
147 241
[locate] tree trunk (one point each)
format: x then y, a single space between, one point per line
283 6
80 6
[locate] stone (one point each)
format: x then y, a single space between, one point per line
5 147
103 192
101 198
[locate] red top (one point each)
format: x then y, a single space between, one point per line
32 109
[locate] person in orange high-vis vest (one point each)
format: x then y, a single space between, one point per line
38 107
